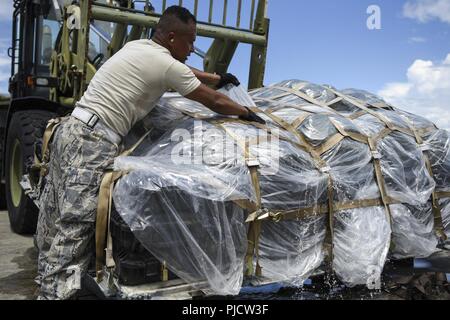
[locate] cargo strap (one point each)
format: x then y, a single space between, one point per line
376 156
296 214
357 114
442 194
102 235
321 165
315 211
303 96
281 106
254 230
300 119
103 253
330 224
42 164
438 221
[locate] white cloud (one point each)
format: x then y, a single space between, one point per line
4 61
4 76
5 43
417 40
6 9
426 93
396 89
426 10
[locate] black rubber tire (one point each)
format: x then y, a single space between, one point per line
26 129
2 196
2 185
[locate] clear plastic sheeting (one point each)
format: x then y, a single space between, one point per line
365 96
439 154
413 231
407 178
361 235
361 244
291 250
445 207
190 186
201 240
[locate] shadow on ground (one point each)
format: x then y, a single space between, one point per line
21 285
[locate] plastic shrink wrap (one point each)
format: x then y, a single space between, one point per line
332 175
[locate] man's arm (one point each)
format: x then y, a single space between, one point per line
220 103
206 78
217 101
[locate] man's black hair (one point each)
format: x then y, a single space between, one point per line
181 13
166 22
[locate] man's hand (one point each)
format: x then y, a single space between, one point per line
227 78
252 117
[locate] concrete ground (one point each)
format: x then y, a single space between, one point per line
18 263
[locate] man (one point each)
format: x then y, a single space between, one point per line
121 93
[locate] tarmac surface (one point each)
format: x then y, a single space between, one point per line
18 263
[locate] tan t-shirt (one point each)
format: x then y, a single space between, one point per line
126 88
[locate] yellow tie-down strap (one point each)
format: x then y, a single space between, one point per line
103 248
255 226
42 165
103 240
314 211
436 209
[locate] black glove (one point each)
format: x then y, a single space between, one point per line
227 78
252 117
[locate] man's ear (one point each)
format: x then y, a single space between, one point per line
171 37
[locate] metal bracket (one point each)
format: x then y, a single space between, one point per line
276 217
252 162
74 19
424 147
325 169
376 155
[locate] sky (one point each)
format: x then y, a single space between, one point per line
405 59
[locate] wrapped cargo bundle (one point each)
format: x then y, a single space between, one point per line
332 176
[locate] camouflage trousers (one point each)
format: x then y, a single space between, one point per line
79 155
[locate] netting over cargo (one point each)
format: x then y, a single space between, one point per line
338 176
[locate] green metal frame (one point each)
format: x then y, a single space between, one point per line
74 71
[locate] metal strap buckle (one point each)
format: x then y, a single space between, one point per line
424 147
325 169
252 162
92 121
376 155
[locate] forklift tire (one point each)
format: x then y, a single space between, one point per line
2 185
2 196
25 131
